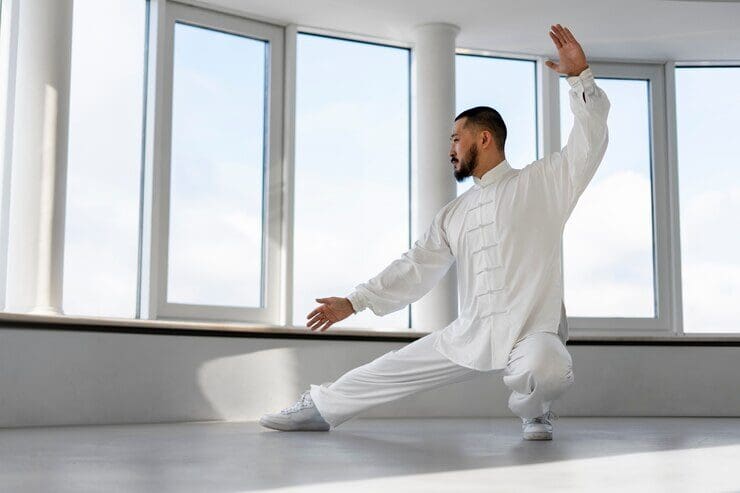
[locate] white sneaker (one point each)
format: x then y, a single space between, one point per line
538 428
301 416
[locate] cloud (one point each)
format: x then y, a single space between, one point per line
607 249
710 267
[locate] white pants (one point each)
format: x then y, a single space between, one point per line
539 370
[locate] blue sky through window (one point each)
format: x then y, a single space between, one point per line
708 119
351 171
104 158
216 203
608 240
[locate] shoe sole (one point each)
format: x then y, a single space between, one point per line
283 427
542 435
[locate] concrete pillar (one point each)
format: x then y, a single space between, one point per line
435 184
39 165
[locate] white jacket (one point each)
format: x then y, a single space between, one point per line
505 233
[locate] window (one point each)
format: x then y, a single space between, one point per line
616 244
509 86
216 202
352 165
104 158
176 193
707 119
608 240
218 256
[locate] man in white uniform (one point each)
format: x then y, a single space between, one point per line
505 233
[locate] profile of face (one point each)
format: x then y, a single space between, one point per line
463 150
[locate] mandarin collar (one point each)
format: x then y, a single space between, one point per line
492 175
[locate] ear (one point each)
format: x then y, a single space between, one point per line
487 139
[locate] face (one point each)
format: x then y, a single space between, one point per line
463 151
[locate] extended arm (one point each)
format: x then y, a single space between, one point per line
561 177
576 163
410 277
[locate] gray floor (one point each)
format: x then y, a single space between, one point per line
388 455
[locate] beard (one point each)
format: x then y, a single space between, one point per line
467 164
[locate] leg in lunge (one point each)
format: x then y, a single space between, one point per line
396 374
539 371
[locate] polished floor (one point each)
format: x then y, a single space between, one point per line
386 455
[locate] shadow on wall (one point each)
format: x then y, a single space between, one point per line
57 377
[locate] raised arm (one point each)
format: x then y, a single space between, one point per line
564 175
411 276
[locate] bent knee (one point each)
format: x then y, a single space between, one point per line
553 378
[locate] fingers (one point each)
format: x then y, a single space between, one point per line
556 40
561 34
552 65
319 319
555 34
320 324
315 319
317 309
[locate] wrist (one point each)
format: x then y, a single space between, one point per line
578 71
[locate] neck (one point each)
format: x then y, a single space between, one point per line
487 164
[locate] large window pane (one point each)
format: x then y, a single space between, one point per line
508 86
351 170
216 199
708 119
608 240
104 170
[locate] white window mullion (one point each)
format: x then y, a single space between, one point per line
548 109
289 133
153 151
674 251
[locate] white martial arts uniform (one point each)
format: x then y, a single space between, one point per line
506 234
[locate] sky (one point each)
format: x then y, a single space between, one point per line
351 208
216 206
608 239
352 174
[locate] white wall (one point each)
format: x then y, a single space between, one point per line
54 377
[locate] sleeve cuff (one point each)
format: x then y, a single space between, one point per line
357 301
584 78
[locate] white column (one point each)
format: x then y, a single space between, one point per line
39 164
434 183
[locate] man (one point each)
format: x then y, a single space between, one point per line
505 233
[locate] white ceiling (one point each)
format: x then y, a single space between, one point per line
632 29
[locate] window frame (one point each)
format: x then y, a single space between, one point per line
664 246
154 282
675 210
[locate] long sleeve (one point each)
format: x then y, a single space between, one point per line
410 277
560 178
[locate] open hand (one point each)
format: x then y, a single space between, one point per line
332 310
572 59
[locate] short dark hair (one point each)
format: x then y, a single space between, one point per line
488 119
